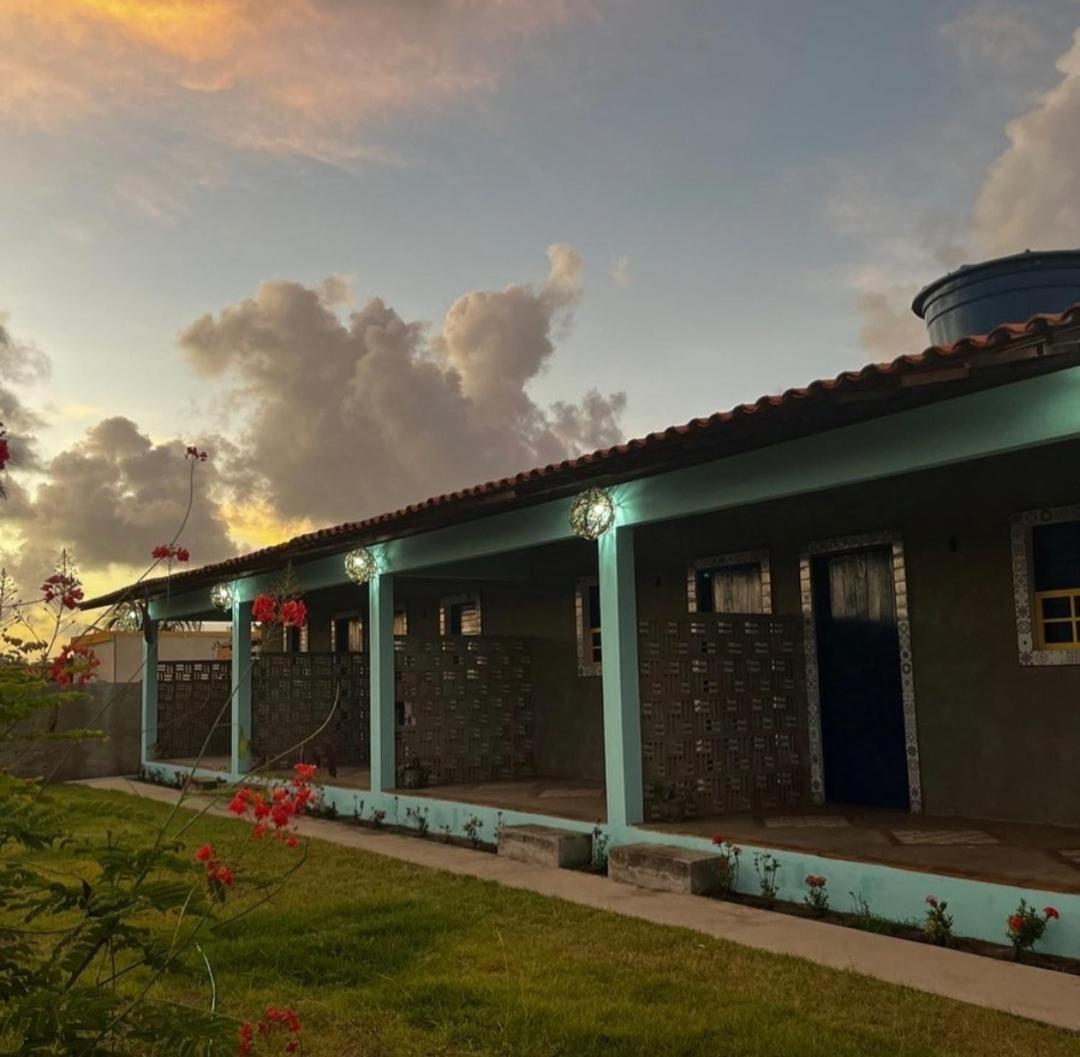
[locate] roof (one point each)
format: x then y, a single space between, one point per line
936 373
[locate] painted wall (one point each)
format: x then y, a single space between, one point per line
529 594
120 652
997 739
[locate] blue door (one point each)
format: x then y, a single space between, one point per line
862 714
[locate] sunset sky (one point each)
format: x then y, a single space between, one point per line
365 252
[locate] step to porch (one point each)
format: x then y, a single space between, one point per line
665 868
545 845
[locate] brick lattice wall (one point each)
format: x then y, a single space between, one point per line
292 694
465 707
723 712
191 695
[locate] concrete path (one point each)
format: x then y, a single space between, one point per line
1038 994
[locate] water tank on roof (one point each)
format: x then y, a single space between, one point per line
978 297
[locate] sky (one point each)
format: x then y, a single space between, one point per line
368 251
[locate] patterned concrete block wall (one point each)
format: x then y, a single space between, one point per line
293 695
193 696
465 707
723 713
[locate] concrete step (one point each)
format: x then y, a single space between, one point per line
666 869
545 845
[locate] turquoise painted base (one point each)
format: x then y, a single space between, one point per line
979 908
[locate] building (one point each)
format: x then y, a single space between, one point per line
121 652
841 623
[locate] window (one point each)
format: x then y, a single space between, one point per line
1046 583
1055 559
401 622
587 620
295 640
460 615
347 634
731 583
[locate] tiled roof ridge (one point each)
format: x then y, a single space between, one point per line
1004 334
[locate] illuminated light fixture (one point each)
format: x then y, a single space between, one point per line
360 565
128 617
592 513
221 596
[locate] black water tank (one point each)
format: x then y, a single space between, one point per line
978 297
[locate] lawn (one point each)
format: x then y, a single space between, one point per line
381 957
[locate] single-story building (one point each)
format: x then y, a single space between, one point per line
841 623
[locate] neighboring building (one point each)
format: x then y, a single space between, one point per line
121 652
814 617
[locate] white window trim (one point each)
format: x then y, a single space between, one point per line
451 600
585 664
1022 569
724 561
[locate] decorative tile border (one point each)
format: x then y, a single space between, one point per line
724 561
907 670
1020 538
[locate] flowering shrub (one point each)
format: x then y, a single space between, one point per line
73 666
277 811
817 899
938 925
1026 926
274 1022
729 866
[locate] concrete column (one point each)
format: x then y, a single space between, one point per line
622 706
240 702
381 622
149 688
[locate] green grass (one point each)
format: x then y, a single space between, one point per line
383 958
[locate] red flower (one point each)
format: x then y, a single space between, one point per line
194 454
205 853
162 550
182 554
238 805
291 840
264 609
5 452
1051 914
813 880
718 840
224 875
1016 923
931 901
736 850
304 772
293 613
74 664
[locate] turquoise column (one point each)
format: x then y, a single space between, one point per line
619 654
381 620
149 688
240 729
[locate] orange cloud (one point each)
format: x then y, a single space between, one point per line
289 75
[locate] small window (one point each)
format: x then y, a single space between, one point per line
401 622
347 634
460 615
1055 557
587 619
735 583
295 640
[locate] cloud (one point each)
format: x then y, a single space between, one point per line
999 43
1030 197
293 76
21 363
620 271
347 418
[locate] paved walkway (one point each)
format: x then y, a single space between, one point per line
1037 994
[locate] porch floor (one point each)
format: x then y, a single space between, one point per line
1022 854
561 797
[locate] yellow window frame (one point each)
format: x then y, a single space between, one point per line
1039 622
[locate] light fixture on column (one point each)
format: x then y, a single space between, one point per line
128 617
360 565
221 596
592 513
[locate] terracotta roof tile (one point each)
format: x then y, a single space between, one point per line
568 471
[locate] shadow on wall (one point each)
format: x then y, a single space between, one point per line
114 754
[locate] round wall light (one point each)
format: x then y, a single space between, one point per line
221 596
128 617
360 565
592 513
